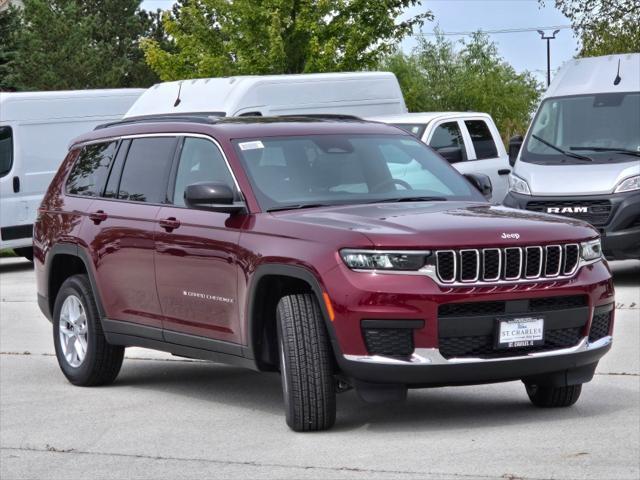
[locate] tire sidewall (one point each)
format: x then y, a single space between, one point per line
79 374
285 369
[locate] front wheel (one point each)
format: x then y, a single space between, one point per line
553 397
306 365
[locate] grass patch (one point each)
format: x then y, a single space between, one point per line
7 253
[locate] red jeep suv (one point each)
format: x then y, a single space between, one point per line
338 252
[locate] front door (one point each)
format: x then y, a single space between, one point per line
197 251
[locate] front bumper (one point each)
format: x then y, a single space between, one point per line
620 232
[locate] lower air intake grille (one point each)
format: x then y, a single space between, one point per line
600 326
392 342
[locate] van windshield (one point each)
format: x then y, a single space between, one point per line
318 170
604 128
6 150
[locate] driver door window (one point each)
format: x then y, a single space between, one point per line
447 141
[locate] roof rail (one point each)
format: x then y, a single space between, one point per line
321 116
198 117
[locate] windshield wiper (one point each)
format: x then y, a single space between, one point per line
298 206
411 199
608 149
564 152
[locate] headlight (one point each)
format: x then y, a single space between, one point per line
591 250
518 185
628 184
381 260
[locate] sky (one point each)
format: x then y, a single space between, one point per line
523 50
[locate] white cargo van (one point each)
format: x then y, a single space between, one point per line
581 156
35 131
361 94
470 141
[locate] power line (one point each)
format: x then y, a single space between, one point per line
504 30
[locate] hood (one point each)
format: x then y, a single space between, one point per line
576 179
443 224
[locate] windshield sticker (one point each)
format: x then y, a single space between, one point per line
251 145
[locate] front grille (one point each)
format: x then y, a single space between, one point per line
543 304
483 345
595 212
393 342
507 264
471 309
600 326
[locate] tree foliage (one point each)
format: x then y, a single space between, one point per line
77 44
441 75
604 26
223 37
9 30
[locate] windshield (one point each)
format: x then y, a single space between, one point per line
293 172
604 128
6 150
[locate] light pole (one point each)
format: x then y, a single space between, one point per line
548 39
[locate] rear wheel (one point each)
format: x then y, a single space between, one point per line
305 364
26 252
84 355
552 397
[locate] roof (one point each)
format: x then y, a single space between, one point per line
590 75
227 128
422 117
61 94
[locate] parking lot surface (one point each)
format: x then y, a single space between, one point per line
172 418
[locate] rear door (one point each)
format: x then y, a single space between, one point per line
197 257
488 155
122 225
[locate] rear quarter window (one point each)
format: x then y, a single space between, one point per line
6 150
91 170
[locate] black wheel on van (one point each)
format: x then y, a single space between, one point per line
553 397
306 364
84 355
26 252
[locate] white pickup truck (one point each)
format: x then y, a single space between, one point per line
468 140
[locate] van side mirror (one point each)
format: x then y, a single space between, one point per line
515 143
217 197
451 154
481 182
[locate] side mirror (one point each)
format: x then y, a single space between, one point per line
515 143
451 154
217 197
482 183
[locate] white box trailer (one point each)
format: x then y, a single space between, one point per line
362 94
35 131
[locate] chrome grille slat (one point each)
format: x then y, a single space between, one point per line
509 264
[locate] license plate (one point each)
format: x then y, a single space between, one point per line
520 332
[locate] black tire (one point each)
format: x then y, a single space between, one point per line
553 397
26 252
102 361
306 364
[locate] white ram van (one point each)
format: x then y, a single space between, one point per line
361 94
470 141
35 131
581 155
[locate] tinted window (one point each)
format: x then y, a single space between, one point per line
6 150
482 139
146 170
111 190
347 169
89 174
447 135
200 161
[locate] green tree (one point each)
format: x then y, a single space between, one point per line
223 37
76 44
603 26
10 25
441 75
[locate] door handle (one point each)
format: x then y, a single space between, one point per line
170 224
98 217
16 184
504 171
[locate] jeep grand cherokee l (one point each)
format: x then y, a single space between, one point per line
339 252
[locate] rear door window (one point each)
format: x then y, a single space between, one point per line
6 150
482 139
146 170
91 169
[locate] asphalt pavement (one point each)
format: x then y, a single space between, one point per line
172 418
